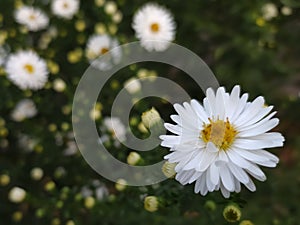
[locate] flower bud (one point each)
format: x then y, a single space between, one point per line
4 180
110 8
151 203
232 213
59 85
151 117
133 85
133 158
168 169
246 222
89 202
120 184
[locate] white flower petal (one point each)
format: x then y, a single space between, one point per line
202 115
214 173
251 111
257 130
200 185
226 178
251 186
239 173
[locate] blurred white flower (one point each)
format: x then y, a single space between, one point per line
287 11
27 70
24 109
133 85
65 8
59 85
110 7
36 173
269 11
86 192
154 26
115 126
33 18
71 148
16 194
98 45
26 142
220 144
117 17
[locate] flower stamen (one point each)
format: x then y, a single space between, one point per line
104 50
154 27
29 68
221 133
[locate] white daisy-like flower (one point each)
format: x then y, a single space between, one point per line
27 70
154 27
116 127
218 145
33 18
24 109
99 45
65 8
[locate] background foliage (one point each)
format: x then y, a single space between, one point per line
237 43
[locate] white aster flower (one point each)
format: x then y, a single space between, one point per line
27 70
65 8
116 127
99 45
24 109
33 18
218 145
154 26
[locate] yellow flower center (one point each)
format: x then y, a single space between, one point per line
154 27
220 133
32 17
29 68
65 5
103 51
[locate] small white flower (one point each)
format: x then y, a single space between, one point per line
269 11
65 8
116 127
24 109
218 145
98 45
16 194
33 18
154 27
133 85
27 70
